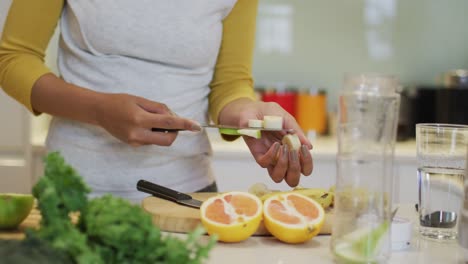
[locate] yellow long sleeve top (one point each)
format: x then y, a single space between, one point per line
31 24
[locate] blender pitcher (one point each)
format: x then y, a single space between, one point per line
367 122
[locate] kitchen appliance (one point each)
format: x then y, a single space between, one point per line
431 104
406 118
456 78
441 105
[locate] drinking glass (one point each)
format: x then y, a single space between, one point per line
463 224
441 156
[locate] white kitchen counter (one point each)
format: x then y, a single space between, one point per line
236 169
269 250
324 147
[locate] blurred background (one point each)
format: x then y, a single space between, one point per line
311 43
303 49
306 46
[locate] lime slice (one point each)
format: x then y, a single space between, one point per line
255 133
14 208
361 245
229 131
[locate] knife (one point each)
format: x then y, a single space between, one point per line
167 194
227 129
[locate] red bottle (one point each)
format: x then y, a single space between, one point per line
286 98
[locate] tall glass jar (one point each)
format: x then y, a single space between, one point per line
367 122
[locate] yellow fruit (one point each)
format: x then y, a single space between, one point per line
311 192
232 216
324 198
14 208
293 218
259 189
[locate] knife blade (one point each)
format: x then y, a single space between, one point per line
233 128
168 194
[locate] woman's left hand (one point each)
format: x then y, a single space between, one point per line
268 151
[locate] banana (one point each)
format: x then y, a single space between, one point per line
359 199
312 192
324 197
259 189
325 200
292 140
298 187
270 194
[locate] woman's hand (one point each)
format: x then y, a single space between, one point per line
127 117
281 162
130 119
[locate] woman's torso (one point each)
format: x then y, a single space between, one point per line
162 50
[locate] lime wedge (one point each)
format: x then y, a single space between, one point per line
361 245
14 208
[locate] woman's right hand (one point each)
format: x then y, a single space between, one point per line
130 119
126 117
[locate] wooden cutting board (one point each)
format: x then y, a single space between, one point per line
172 217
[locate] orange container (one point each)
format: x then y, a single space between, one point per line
311 112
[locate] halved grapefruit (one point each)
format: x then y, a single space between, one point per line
293 218
232 216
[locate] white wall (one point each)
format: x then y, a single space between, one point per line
11 138
314 42
15 148
4 6
10 111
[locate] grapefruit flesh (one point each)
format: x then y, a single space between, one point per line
293 218
232 216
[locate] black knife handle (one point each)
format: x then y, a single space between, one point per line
161 191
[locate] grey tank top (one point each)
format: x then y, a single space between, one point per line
161 50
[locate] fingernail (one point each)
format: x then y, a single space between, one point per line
276 147
196 127
305 150
294 156
285 151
